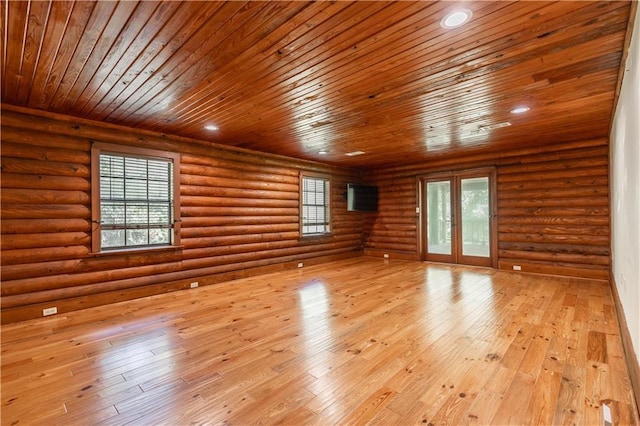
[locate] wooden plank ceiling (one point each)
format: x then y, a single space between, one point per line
298 78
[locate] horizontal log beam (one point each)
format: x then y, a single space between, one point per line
193 201
598 201
38 139
216 191
555 220
43 196
35 226
555 248
58 183
555 211
391 246
559 174
199 211
47 254
43 211
240 166
580 271
555 183
229 241
89 264
555 193
50 168
222 220
43 153
593 240
215 231
220 172
513 255
550 167
186 179
53 240
560 230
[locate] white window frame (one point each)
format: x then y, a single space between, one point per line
97 149
304 222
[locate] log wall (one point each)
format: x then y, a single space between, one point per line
239 216
553 208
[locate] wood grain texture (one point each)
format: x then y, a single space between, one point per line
629 354
240 212
296 78
552 216
355 341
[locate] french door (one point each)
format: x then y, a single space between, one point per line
458 217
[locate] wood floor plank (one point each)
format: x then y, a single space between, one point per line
358 341
597 347
385 417
453 411
104 398
298 416
571 404
513 408
542 406
366 410
484 408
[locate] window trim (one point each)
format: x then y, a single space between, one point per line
313 175
99 147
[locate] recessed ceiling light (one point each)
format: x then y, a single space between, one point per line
211 127
354 153
488 127
456 18
519 110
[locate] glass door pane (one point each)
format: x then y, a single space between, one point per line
439 217
475 214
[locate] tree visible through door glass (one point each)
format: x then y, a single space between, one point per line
439 217
475 216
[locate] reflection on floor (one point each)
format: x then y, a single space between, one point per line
352 342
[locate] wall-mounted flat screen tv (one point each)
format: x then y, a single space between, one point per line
362 198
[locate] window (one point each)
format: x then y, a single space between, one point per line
315 205
135 198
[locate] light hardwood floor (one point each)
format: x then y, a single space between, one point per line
352 342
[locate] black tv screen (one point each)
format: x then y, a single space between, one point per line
362 198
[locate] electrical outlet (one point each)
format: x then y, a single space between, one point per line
194 284
386 255
517 268
300 265
49 311
606 415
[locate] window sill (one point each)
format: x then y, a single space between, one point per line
312 238
137 250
